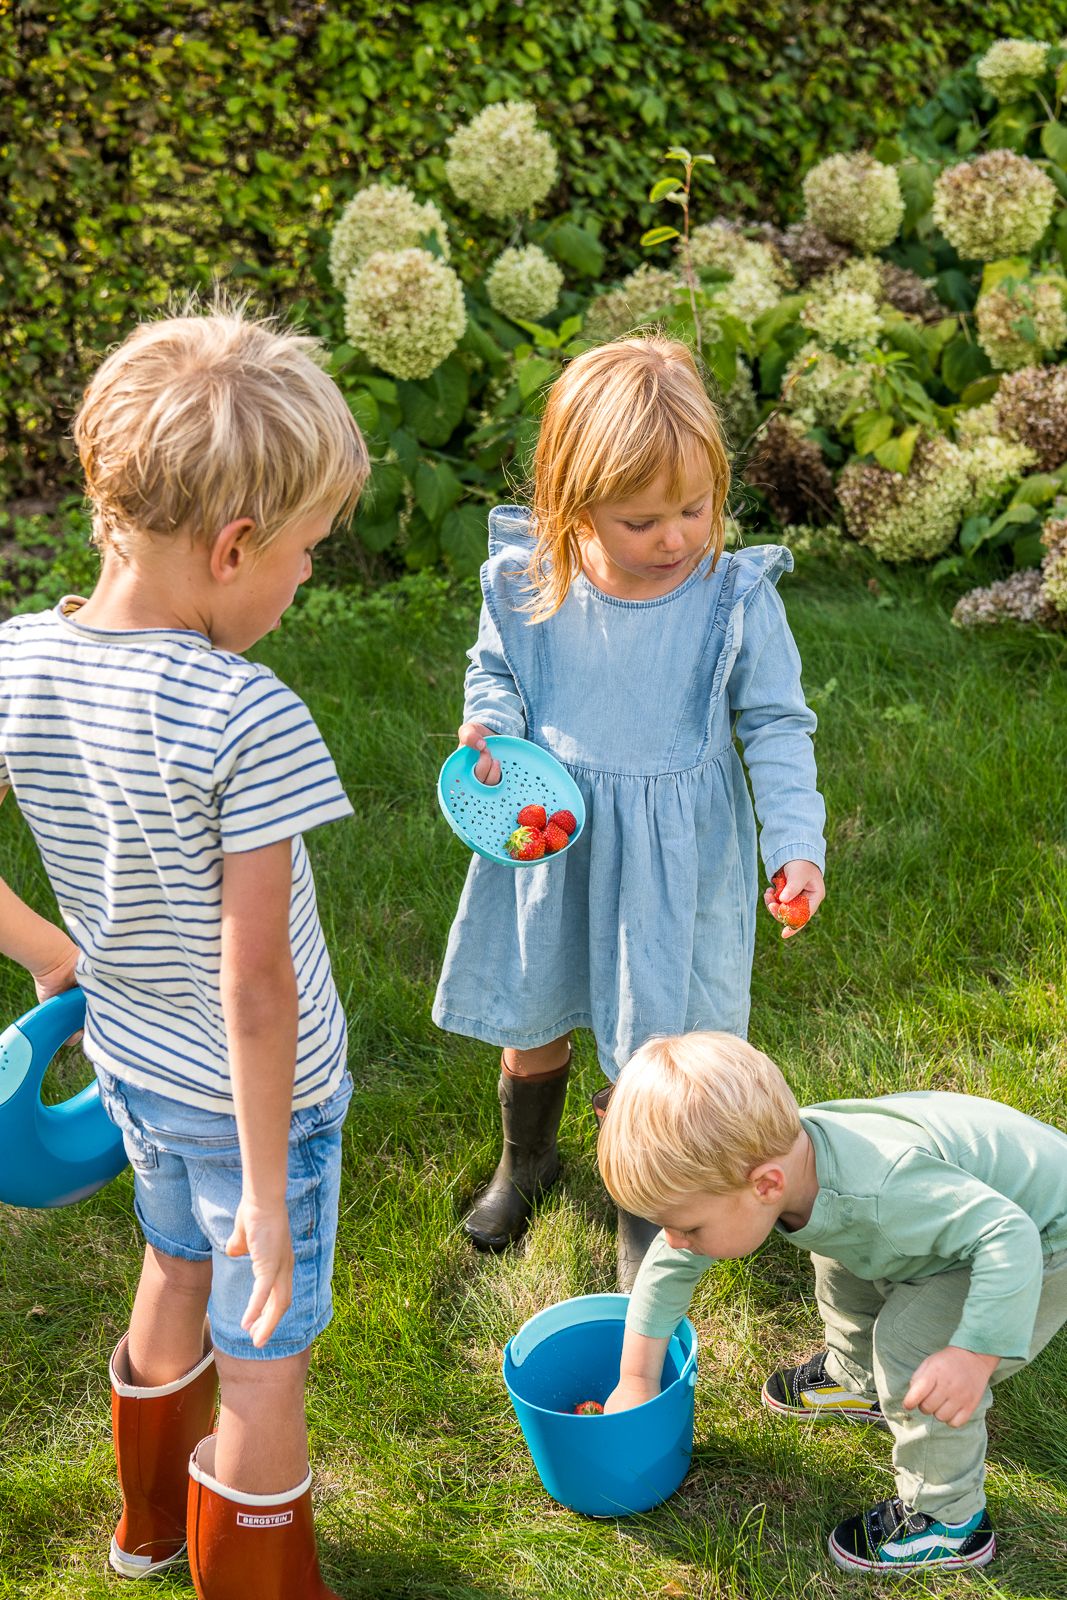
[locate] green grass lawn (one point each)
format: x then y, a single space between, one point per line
939 960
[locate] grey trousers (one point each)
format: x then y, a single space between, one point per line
877 1334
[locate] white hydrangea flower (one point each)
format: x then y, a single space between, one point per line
639 298
382 216
404 309
911 516
997 205
843 316
524 283
1010 66
502 163
976 423
994 464
1020 322
819 386
1054 579
855 200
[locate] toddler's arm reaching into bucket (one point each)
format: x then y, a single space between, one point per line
640 1371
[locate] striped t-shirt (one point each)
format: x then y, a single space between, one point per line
139 758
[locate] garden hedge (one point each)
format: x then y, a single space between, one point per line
146 145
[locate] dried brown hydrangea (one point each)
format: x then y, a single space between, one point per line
791 472
909 293
1019 598
1031 406
809 251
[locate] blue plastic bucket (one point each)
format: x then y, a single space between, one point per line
602 1466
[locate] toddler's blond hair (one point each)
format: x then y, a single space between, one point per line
198 420
615 418
692 1114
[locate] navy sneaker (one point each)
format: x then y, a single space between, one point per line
891 1537
806 1391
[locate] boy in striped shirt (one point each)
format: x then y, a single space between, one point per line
937 1224
167 782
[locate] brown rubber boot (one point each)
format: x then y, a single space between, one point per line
633 1235
530 1111
250 1546
154 1431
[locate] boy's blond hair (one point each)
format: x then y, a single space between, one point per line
198 420
691 1115
615 418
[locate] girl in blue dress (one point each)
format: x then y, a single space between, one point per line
617 634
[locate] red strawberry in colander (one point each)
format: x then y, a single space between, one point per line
531 817
526 844
565 820
555 838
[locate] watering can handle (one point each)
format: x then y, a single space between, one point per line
29 1044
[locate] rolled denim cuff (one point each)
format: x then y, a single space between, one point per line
796 852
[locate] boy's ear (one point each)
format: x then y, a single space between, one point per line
231 549
768 1181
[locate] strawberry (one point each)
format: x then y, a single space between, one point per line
555 838
793 913
565 820
589 1408
526 844
531 817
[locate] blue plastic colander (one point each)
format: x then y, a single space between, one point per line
484 816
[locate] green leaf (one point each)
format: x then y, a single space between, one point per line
770 324
465 537
1054 142
871 429
896 453
954 288
1028 550
963 362
995 272
364 408
1008 130
677 152
655 236
534 373
427 491
477 342
1037 489
917 188
973 533
407 450
433 407
1003 530
981 390
665 186
576 247
383 389
383 492
378 536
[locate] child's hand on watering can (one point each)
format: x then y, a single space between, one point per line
58 975
486 769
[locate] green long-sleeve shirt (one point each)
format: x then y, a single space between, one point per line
911 1185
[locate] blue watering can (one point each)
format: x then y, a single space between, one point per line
50 1155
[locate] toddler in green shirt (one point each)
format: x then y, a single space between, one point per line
937 1225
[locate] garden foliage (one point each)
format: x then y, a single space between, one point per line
147 145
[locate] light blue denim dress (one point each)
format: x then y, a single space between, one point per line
646 925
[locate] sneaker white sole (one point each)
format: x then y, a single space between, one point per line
820 1413
852 1563
138 1566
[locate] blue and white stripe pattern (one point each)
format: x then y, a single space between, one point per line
138 759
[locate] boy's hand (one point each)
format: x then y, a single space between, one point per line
630 1392
949 1384
801 877
263 1233
472 734
58 977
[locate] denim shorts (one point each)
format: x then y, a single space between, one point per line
187 1186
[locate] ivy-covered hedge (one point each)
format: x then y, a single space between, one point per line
146 145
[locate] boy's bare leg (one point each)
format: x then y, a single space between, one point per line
167 1334
262 1445
532 1063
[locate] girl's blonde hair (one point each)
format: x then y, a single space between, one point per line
690 1115
615 418
198 420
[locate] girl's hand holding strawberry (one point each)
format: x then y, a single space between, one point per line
474 735
795 894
